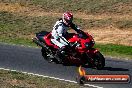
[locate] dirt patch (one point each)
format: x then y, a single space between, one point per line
112 35
36 11
12 7
108 35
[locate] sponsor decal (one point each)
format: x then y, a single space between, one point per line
83 78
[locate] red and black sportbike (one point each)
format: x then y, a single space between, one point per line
79 51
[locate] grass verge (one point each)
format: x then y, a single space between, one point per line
118 51
12 79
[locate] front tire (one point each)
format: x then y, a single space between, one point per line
99 61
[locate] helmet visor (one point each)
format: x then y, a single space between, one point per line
69 20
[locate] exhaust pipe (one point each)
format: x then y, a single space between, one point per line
42 45
39 43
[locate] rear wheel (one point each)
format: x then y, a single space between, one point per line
49 56
99 61
46 55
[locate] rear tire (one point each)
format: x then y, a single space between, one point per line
45 55
99 61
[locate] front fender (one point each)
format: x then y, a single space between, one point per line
91 52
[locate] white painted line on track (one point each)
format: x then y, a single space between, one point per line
50 77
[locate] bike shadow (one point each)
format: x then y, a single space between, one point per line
110 68
115 69
105 68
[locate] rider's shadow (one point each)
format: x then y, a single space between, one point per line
115 69
110 68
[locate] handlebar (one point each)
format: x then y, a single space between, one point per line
82 34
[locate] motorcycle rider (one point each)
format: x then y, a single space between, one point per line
59 32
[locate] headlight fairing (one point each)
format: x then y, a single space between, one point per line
89 44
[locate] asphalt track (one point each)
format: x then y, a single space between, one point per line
28 59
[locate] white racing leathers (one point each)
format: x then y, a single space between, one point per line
58 33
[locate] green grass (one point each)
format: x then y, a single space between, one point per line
12 79
85 6
115 50
18 41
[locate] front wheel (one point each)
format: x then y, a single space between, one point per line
99 61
